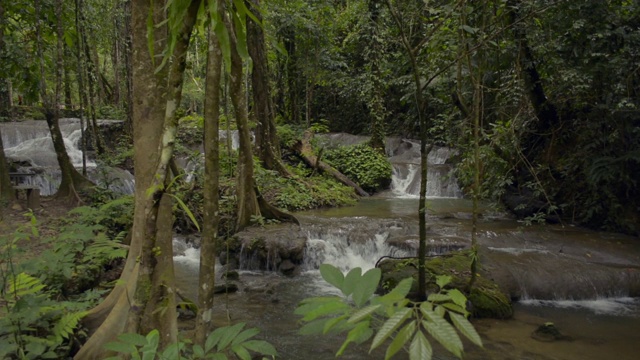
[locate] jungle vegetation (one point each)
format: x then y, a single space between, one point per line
540 98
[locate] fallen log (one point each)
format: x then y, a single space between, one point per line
304 150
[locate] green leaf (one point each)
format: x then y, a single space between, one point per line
366 287
332 275
458 297
336 307
245 335
313 327
390 326
331 323
213 339
241 352
228 334
400 340
133 339
261 347
443 280
439 298
362 313
186 210
420 349
444 333
464 326
351 280
361 332
120 347
198 351
400 291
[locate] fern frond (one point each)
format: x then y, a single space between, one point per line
66 325
24 284
103 248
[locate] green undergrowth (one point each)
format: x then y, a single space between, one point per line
361 163
44 296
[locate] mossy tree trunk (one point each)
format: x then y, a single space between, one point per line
376 86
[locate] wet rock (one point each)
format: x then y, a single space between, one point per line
231 275
225 288
287 267
548 332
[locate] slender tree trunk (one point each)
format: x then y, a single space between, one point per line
68 103
91 76
7 194
376 98
72 181
267 145
211 177
247 200
128 64
82 95
5 84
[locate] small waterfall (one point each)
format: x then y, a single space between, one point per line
405 158
340 249
30 142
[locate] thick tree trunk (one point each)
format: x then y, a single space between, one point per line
133 303
204 321
376 89
304 150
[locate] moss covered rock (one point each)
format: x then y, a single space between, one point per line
486 298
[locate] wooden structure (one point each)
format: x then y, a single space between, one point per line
31 192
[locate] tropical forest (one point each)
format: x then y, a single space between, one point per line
319 179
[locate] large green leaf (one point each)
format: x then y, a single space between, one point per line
245 335
464 326
390 326
363 313
351 280
229 333
360 333
332 275
336 307
399 292
402 337
444 333
261 346
366 287
420 349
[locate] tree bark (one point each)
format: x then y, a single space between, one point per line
206 282
304 150
6 190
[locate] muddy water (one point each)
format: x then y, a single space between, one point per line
601 321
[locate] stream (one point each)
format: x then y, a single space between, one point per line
601 320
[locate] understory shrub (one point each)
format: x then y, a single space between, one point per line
361 163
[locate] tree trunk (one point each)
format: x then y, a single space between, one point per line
376 88
7 194
72 181
546 112
68 103
304 150
267 145
247 200
208 257
133 303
